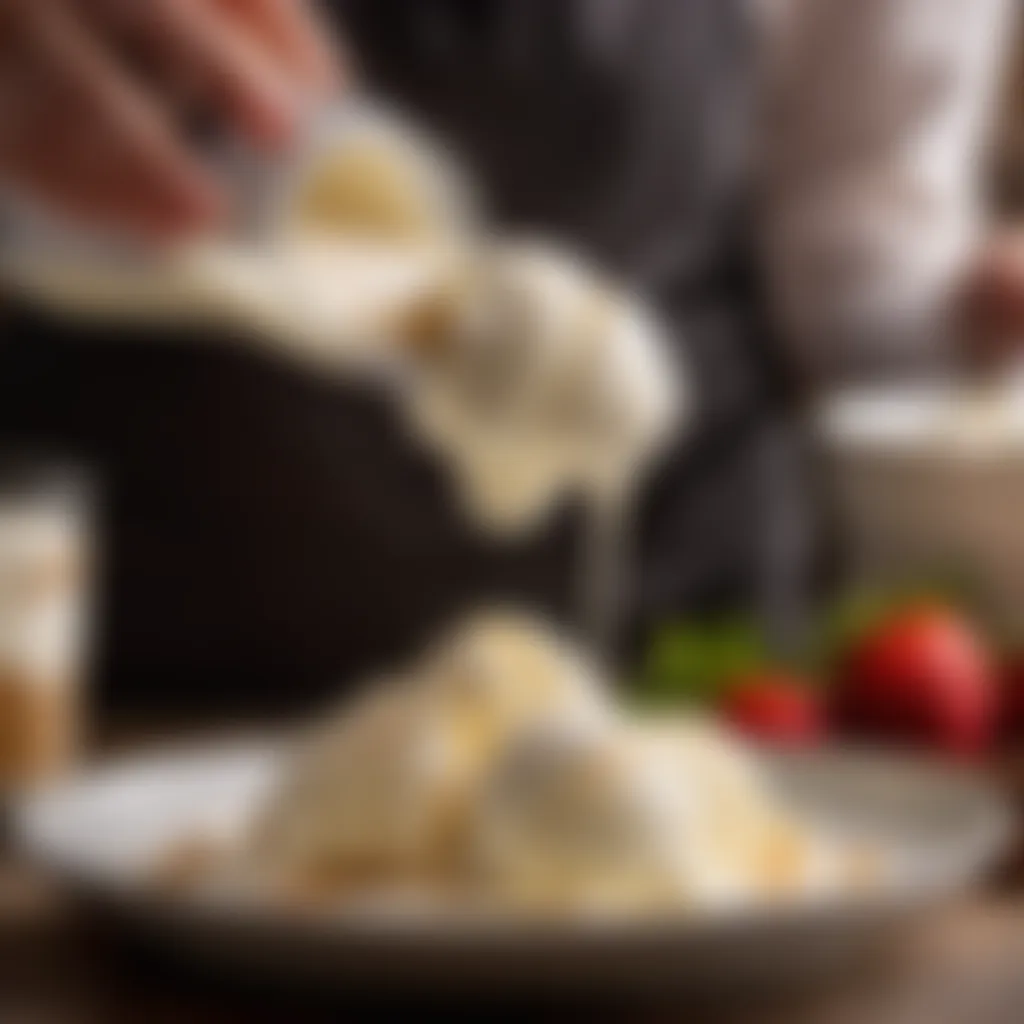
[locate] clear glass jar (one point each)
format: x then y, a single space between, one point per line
46 560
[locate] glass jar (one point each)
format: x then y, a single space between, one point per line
46 558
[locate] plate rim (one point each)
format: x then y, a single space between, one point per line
129 892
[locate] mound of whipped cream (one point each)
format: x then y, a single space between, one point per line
497 773
529 374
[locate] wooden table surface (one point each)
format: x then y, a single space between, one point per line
61 964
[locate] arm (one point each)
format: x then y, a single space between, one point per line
875 125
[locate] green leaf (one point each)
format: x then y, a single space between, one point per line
694 662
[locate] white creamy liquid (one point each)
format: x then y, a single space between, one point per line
530 376
602 576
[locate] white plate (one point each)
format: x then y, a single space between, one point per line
105 831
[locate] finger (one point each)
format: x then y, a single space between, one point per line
128 137
77 170
291 32
107 204
232 70
143 54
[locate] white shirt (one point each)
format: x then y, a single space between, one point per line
875 123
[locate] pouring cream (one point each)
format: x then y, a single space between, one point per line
530 376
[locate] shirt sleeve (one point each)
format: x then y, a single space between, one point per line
875 121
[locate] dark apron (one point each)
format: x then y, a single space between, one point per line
272 535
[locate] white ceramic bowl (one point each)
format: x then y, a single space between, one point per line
105 830
930 483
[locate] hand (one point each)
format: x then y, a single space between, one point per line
84 131
993 300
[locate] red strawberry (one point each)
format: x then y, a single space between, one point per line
775 707
922 676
